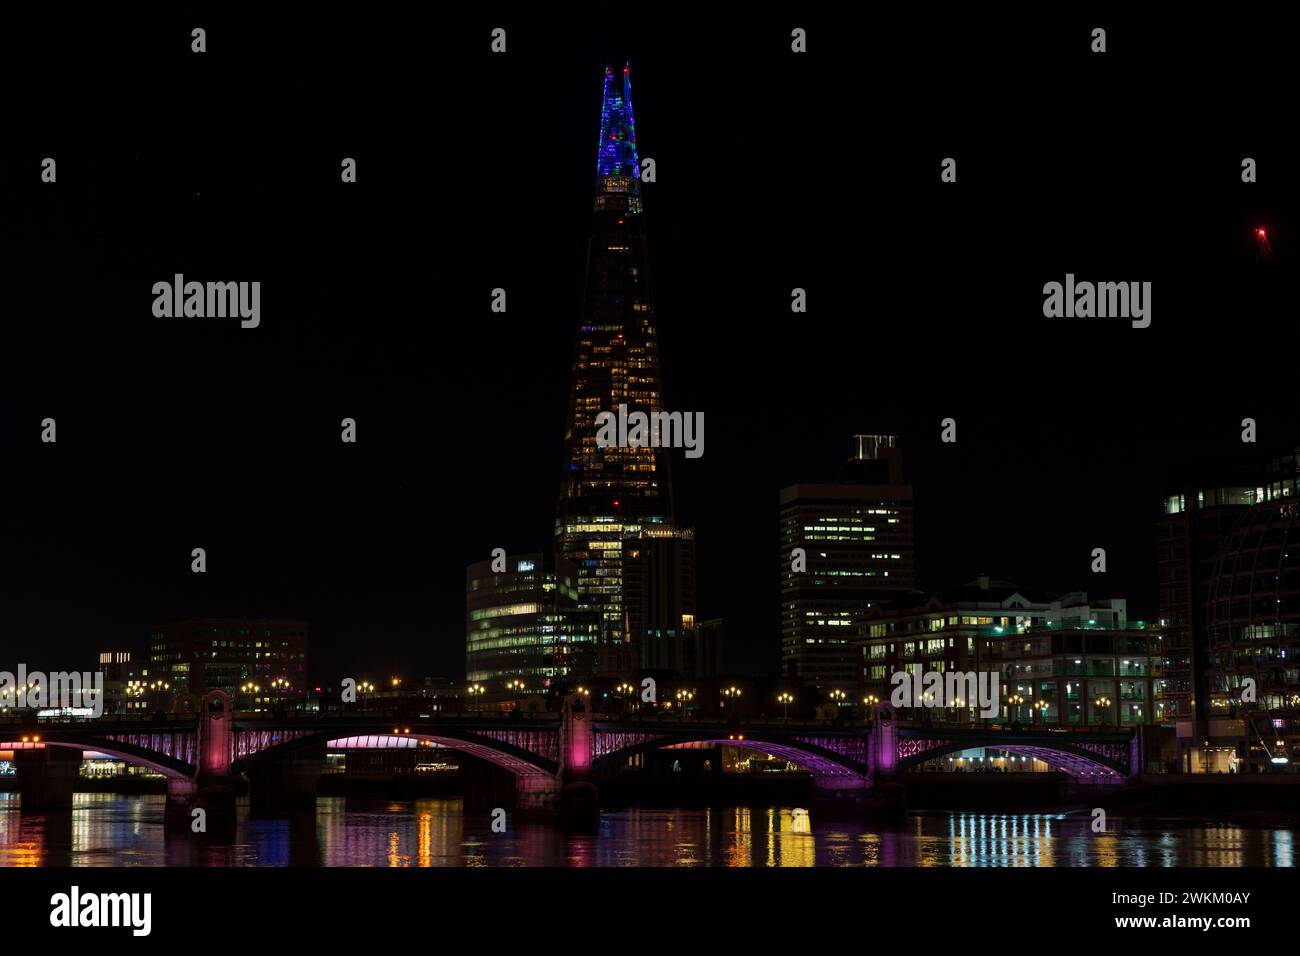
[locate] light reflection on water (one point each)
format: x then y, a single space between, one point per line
113 830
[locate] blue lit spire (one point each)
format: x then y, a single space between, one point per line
616 152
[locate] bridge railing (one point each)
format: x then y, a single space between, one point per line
1090 730
406 719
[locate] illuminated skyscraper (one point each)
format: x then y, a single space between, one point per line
609 494
858 549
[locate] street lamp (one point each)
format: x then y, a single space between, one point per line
364 688
785 699
731 692
1042 706
475 691
515 686
1015 700
684 697
1103 704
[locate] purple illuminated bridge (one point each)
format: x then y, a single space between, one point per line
541 752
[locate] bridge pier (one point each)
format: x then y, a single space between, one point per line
882 742
286 784
578 799
185 796
181 792
47 777
536 793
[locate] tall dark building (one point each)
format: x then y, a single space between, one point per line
1226 618
659 595
857 541
608 494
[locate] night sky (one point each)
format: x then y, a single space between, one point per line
477 171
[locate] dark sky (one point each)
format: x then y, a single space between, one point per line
477 171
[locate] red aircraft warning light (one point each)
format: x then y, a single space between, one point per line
1264 249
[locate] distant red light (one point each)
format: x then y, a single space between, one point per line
626 68
615 502
1260 233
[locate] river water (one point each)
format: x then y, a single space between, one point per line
115 830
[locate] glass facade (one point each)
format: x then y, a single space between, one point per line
523 623
1192 532
1252 659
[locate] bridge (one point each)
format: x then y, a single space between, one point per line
283 757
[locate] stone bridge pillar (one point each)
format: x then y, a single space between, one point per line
882 745
47 777
216 734
578 801
211 789
577 740
888 799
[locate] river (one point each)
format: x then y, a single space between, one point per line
116 830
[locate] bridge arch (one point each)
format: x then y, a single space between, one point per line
830 770
169 766
522 763
1075 760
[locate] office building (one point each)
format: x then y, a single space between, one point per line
845 545
523 623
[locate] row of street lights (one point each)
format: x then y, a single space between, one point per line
1042 706
685 697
